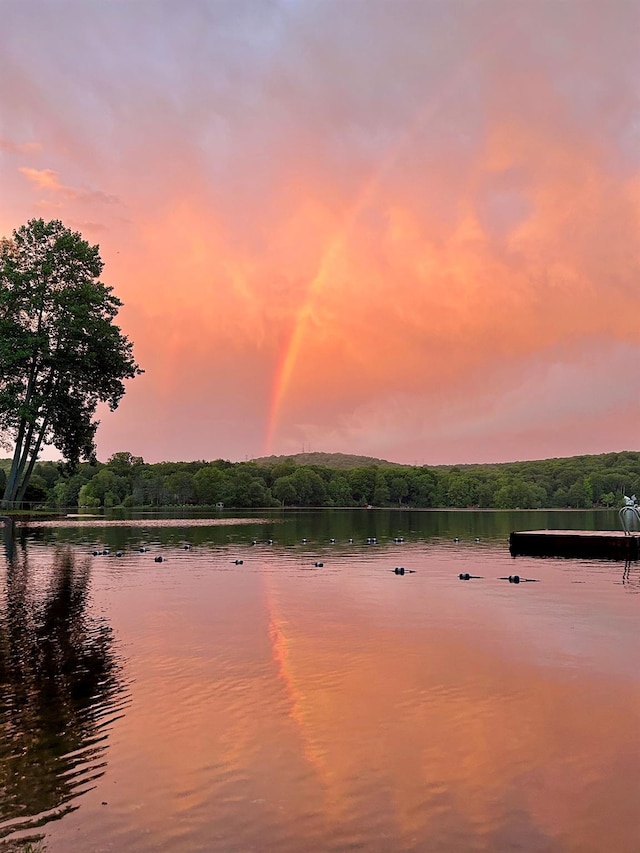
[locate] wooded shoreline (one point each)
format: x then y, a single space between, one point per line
579 482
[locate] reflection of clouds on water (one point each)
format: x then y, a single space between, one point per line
60 689
149 522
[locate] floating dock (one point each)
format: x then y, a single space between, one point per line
602 544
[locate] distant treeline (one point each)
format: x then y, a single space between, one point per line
126 480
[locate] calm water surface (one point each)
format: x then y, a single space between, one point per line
203 704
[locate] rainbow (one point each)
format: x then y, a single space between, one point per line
305 314
291 350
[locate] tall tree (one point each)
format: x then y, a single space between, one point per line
60 351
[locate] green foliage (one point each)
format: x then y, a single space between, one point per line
66 491
339 491
575 482
86 498
48 471
179 486
423 488
104 483
60 351
462 490
36 491
398 489
381 491
310 487
340 461
248 491
210 486
363 483
516 493
124 463
285 491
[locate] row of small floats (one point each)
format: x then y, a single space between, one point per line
397 570
370 540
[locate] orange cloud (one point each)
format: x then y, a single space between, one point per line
48 179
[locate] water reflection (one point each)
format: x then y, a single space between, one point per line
280 705
60 687
290 527
9 538
631 576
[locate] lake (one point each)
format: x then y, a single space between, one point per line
264 688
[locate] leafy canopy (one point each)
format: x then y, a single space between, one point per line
60 351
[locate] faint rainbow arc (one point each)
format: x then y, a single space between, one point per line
286 365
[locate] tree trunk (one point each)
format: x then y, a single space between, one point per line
28 451
32 462
11 485
17 463
18 481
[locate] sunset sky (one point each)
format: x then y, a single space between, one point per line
400 228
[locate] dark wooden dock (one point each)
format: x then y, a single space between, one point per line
601 544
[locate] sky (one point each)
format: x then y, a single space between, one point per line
406 229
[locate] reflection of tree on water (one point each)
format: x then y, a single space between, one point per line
9 537
631 576
60 690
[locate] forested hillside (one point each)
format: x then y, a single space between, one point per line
579 481
344 461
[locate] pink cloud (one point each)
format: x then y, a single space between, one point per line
10 147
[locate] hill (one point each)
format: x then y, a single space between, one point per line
339 461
